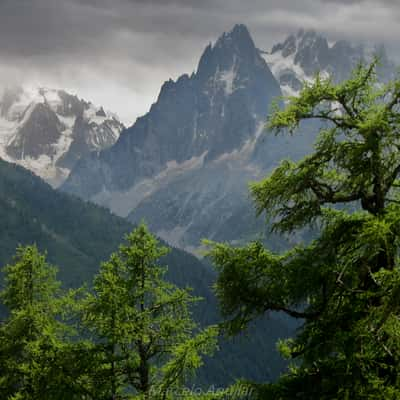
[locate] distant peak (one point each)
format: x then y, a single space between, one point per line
233 47
238 34
239 30
101 113
304 38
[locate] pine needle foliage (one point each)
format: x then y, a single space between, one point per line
344 286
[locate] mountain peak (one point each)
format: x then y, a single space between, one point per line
237 33
47 130
196 120
303 39
232 48
240 29
238 39
304 53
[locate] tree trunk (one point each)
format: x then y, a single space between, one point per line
144 386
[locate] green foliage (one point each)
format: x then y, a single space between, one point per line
33 337
142 324
133 337
344 286
78 236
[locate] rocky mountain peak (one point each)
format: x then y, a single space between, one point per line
312 52
301 55
37 135
233 50
307 49
47 130
238 40
196 120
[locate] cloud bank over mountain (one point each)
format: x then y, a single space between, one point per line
118 53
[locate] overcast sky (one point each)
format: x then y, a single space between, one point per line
118 52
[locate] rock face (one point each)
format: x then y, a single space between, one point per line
198 118
48 130
185 166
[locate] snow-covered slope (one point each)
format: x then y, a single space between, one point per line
47 130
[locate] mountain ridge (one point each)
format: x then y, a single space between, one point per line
194 116
300 56
185 166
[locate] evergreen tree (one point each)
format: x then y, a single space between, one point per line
142 324
344 286
33 338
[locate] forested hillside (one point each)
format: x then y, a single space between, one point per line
78 236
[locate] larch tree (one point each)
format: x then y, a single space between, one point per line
34 340
147 342
343 286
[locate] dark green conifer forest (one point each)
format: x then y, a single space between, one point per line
133 336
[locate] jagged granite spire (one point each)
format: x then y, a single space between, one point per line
236 44
198 117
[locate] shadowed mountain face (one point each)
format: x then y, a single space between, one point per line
197 118
47 130
184 167
37 135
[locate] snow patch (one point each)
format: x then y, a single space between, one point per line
284 67
228 78
243 153
51 98
173 237
288 91
281 65
69 122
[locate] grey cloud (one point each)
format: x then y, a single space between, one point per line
185 3
347 2
100 48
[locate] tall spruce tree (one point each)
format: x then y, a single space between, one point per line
33 337
147 342
344 286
